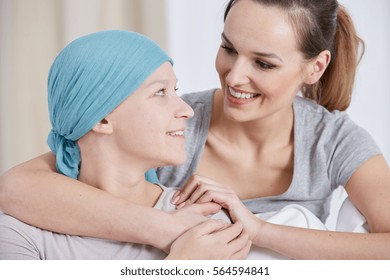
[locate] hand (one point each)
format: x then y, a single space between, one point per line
202 190
213 239
180 221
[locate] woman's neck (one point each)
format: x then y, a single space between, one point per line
106 171
273 132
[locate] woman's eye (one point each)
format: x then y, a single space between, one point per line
228 50
161 92
264 65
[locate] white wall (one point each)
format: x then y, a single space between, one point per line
194 32
194 29
371 101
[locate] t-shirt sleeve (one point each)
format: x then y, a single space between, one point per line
15 242
353 146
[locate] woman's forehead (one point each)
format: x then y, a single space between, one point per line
164 74
258 26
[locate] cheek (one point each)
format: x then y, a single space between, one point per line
286 83
220 62
139 126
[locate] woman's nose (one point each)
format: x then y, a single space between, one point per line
184 110
238 73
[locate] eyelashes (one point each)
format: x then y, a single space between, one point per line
228 49
163 91
264 65
259 63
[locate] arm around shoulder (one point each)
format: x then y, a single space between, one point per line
72 207
19 180
35 194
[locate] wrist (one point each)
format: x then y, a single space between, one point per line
163 223
262 230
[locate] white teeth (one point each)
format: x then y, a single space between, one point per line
176 133
243 95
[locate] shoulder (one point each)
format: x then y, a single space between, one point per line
335 127
333 139
8 222
316 118
309 107
17 239
202 103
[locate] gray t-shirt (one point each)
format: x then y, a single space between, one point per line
328 148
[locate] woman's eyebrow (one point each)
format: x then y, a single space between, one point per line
158 82
163 81
261 54
224 38
269 55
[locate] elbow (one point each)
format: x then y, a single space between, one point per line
378 225
379 229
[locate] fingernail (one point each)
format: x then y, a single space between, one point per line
181 205
175 199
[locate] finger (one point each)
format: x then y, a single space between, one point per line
205 209
207 197
230 233
198 197
201 190
191 186
175 197
221 197
208 227
185 192
243 253
239 243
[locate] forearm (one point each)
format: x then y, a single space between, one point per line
53 202
301 243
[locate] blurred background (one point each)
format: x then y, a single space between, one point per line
32 32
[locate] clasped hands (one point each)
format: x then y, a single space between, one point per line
202 190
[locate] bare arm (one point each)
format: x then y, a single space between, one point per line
369 191
35 194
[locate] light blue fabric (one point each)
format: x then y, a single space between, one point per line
89 78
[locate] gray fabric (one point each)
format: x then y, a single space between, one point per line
329 147
22 241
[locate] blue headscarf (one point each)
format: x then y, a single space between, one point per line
89 78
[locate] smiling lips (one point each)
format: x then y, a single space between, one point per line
178 133
240 98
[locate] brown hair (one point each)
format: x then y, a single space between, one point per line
324 25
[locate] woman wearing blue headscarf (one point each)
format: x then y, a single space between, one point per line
115 115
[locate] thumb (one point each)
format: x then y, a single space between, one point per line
206 209
208 227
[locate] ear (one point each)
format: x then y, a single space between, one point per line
316 67
103 127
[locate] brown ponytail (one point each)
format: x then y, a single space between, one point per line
334 89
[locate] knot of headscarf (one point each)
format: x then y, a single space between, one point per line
88 79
